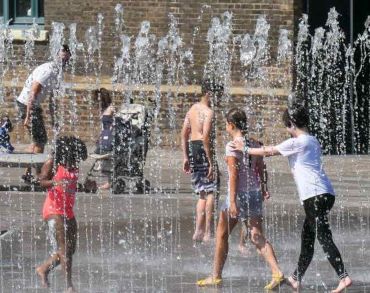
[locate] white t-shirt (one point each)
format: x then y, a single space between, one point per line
47 75
304 155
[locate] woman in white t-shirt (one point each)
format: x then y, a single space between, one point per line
247 187
315 192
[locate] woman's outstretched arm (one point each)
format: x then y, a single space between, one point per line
264 151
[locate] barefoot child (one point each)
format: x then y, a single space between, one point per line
59 175
198 149
315 192
247 187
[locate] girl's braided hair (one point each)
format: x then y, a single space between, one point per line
69 151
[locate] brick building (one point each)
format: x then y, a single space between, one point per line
279 13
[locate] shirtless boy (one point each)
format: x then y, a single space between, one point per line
199 157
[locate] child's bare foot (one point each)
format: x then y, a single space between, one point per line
343 284
70 290
43 276
105 186
294 284
198 236
207 237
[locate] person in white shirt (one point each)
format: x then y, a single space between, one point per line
40 84
315 192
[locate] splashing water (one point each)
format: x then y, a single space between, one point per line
141 242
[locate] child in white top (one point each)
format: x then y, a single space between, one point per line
315 192
247 187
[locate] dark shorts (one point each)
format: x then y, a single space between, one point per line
37 127
199 169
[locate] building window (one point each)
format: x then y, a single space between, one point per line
22 12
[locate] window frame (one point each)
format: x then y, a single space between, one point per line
9 12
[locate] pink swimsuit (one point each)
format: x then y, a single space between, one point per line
61 198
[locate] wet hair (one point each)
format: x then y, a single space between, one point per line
103 97
210 86
65 48
297 114
238 118
69 151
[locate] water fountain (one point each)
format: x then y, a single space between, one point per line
142 242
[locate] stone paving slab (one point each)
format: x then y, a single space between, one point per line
142 243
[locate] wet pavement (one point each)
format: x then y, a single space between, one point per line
142 242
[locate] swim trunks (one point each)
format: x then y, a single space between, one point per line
199 169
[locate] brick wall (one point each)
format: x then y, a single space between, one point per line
81 116
280 14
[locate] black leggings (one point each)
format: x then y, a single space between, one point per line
317 209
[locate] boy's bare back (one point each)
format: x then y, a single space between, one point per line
199 120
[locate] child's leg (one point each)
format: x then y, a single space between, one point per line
44 269
307 240
242 239
264 248
224 228
71 236
242 236
200 218
35 148
323 204
53 261
209 216
63 230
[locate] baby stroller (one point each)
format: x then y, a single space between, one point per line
125 160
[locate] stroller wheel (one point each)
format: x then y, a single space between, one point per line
118 186
139 187
146 186
143 186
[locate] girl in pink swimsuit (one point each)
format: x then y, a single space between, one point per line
59 175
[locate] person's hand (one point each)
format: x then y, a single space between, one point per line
186 166
56 126
237 145
266 195
64 183
26 122
233 210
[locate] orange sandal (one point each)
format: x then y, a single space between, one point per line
210 281
276 281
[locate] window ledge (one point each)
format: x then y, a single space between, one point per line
18 35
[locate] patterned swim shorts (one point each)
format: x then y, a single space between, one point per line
199 169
